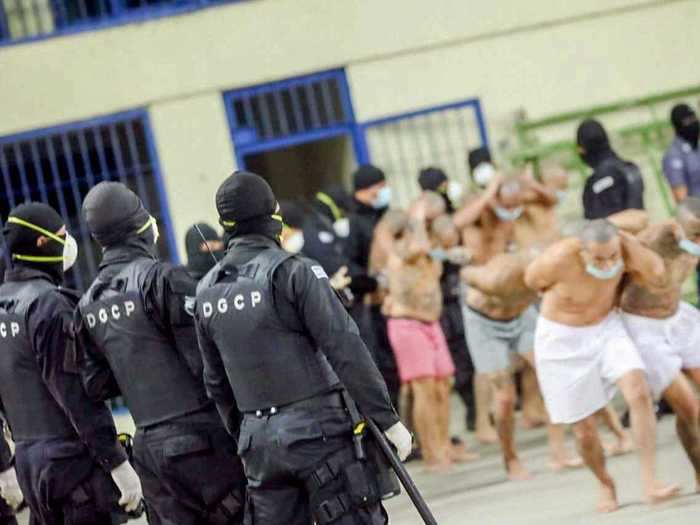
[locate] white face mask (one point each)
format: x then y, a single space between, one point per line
507 215
70 252
483 174
455 191
342 227
605 275
294 243
690 247
561 195
383 198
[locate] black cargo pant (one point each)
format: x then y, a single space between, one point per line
190 474
63 485
453 328
281 452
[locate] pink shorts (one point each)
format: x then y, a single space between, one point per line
420 349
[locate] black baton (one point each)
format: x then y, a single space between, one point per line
402 474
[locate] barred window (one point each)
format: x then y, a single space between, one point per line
58 167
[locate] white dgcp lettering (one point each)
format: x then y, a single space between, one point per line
115 312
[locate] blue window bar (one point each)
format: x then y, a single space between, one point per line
27 19
289 112
438 136
59 165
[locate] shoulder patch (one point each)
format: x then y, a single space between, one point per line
677 163
603 184
319 272
325 237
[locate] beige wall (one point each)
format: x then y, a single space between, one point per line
541 55
195 153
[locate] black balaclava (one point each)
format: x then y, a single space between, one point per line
366 176
21 238
333 202
115 216
593 142
685 122
293 214
199 261
478 156
246 205
434 179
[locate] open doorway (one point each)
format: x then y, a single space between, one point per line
302 170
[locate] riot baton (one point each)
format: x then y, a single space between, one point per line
402 474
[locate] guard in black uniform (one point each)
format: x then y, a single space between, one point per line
10 493
138 340
204 248
70 466
615 184
276 343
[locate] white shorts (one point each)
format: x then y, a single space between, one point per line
578 366
666 345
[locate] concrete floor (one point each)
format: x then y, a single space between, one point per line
478 493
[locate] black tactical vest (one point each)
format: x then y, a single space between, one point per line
31 410
268 362
155 381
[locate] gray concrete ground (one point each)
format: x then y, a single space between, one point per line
478 493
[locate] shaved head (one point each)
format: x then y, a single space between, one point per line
599 231
510 189
394 222
434 204
445 231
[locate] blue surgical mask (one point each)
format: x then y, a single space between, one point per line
690 247
383 198
604 275
438 254
507 215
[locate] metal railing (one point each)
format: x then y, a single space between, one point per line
22 20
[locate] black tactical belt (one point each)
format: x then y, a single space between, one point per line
328 400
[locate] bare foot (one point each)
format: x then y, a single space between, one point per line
459 454
607 500
528 423
487 437
516 471
662 493
619 447
438 467
566 463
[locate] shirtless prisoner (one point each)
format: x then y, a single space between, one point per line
499 317
582 349
665 329
414 307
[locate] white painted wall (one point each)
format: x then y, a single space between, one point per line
541 55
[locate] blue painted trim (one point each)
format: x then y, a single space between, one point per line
349 127
296 140
162 193
419 112
137 17
73 126
474 102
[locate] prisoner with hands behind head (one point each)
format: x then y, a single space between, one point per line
582 349
296 436
136 335
665 329
446 245
66 444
